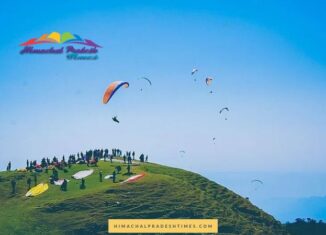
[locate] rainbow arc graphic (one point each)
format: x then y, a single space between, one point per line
55 37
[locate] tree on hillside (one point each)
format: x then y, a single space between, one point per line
308 226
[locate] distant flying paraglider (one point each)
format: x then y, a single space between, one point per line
145 78
182 153
256 180
194 70
257 183
113 87
115 119
208 81
225 108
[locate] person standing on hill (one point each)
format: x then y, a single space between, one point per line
128 169
30 166
113 176
133 155
29 182
111 157
64 185
141 158
96 160
117 169
43 162
106 154
124 159
55 174
146 159
129 159
82 185
13 186
9 166
101 176
35 179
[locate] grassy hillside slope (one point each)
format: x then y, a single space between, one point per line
164 192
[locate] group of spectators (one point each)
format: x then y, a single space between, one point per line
90 157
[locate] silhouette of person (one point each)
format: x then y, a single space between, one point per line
13 186
35 179
82 185
64 185
113 176
29 182
9 166
128 169
101 176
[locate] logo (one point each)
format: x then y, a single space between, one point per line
75 47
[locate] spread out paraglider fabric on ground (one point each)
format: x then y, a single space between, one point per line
108 177
117 160
59 182
37 190
134 162
21 170
82 174
113 87
134 178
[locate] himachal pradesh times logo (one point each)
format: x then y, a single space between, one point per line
75 47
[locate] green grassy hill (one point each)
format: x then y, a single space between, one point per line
164 192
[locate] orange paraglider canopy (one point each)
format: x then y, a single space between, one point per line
113 87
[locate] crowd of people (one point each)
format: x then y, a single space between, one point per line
90 158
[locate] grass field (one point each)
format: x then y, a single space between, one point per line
164 192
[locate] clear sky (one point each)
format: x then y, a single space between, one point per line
267 57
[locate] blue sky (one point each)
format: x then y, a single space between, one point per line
268 60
